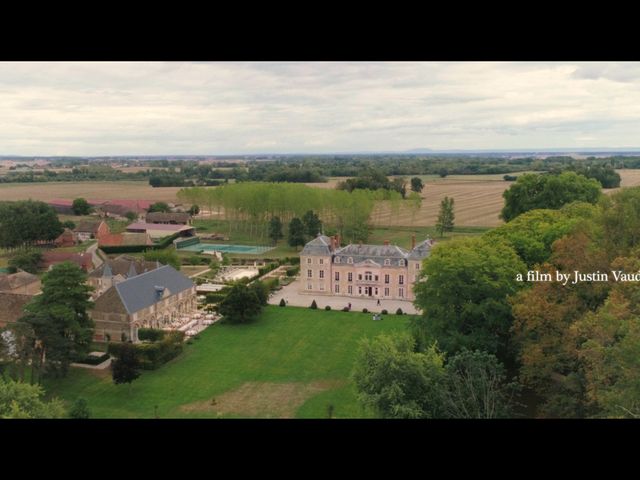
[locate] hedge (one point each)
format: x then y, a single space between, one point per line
151 334
152 355
91 360
293 271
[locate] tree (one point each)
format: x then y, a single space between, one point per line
125 368
533 191
194 210
397 382
446 216
296 232
275 229
261 290
443 172
159 207
27 260
399 184
476 387
241 305
464 298
416 184
26 222
59 318
131 216
165 257
312 224
21 400
81 207
68 224
80 409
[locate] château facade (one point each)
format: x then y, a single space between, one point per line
372 271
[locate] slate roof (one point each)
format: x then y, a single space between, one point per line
422 250
122 265
321 245
141 291
376 253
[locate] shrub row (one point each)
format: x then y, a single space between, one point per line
152 355
151 334
91 360
267 268
293 271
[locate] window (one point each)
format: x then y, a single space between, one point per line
376 290
337 288
417 265
350 277
401 292
321 261
309 273
401 263
359 290
386 292
386 278
387 262
350 290
322 286
337 276
400 279
349 260
359 276
337 260
322 274
308 260
309 286
376 278
368 276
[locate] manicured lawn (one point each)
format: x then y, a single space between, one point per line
292 362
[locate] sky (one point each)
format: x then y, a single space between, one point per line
201 108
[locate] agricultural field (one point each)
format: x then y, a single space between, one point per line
291 363
102 190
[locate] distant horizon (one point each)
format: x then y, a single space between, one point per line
415 151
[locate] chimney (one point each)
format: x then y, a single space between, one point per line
413 241
333 243
338 240
386 243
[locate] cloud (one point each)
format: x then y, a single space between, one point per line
105 108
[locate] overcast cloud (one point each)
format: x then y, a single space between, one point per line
228 108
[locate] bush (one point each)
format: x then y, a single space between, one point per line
510 178
384 311
152 355
282 303
79 409
151 334
91 360
399 311
364 310
345 309
293 271
327 308
314 305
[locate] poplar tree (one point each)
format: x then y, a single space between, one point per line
446 216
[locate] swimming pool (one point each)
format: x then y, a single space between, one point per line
247 249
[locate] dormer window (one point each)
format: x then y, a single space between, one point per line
350 260
401 263
387 262
337 260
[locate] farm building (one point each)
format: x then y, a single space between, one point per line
66 239
12 306
372 271
62 205
20 282
160 230
88 229
117 239
177 218
150 299
51 258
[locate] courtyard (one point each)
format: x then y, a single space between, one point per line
293 297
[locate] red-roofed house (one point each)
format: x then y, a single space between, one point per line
83 260
66 239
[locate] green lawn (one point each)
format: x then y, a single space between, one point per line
285 351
